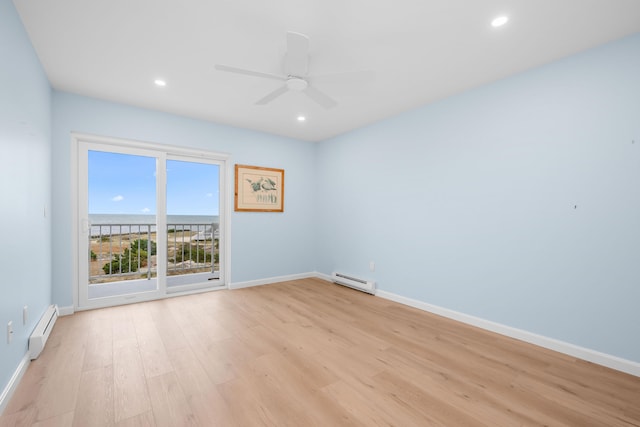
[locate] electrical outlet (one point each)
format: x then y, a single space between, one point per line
25 314
9 332
372 266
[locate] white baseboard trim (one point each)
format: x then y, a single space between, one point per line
271 280
66 311
322 276
613 362
13 382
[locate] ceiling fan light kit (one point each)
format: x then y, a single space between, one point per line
296 83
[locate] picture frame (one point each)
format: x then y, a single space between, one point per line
258 189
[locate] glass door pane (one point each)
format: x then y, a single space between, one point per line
122 238
193 224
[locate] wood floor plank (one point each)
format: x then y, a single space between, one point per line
225 359
387 404
361 408
39 370
130 388
142 420
99 350
293 393
210 409
167 325
22 418
170 406
246 406
63 420
122 326
485 395
190 372
95 405
208 406
433 407
305 352
152 350
59 390
352 362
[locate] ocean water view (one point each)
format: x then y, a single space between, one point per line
104 224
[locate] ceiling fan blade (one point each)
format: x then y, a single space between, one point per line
249 72
296 61
320 97
273 95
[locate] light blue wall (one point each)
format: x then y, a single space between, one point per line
263 245
25 188
518 202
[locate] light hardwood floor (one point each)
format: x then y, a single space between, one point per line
305 353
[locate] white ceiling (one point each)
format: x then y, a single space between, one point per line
420 51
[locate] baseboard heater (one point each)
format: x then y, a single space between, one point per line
41 333
354 282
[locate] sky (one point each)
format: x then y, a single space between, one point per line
126 184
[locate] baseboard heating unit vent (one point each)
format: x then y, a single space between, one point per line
355 283
41 333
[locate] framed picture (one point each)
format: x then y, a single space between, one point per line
259 189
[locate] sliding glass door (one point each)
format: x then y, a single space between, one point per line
149 222
122 238
193 223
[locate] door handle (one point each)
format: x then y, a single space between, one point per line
85 226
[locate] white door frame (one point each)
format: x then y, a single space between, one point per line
79 144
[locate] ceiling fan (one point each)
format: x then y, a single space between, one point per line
295 73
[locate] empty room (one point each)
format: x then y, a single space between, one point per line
320 213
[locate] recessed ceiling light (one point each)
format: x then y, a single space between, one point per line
499 21
160 82
301 118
